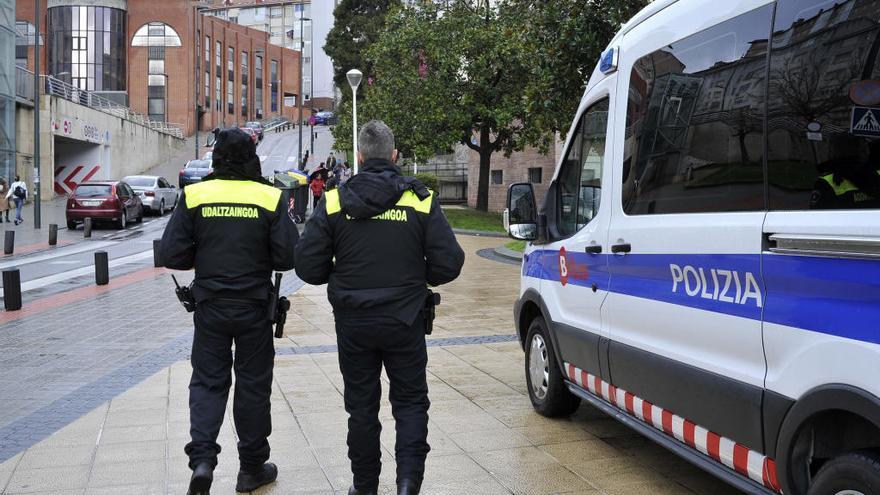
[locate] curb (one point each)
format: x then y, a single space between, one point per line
510 254
480 233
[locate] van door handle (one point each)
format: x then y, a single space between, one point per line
593 249
621 248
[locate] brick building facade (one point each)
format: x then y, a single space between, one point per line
161 61
528 165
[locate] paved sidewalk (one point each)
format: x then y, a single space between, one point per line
485 437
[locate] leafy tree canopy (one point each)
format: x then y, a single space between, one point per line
358 24
566 39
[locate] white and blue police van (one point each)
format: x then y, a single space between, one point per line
706 263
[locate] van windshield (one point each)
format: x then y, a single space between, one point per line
92 191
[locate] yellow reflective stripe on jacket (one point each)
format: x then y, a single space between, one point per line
410 199
332 199
407 199
239 192
840 189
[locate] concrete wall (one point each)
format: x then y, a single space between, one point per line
72 136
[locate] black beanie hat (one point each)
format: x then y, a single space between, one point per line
235 153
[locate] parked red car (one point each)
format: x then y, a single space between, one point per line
113 201
252 133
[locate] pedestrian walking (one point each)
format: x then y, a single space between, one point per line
378 240
18 192
4 202
234 229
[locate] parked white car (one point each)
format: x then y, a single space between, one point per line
157 194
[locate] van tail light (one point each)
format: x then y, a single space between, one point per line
181 173
149 193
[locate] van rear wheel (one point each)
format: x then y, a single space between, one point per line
547 390
856 473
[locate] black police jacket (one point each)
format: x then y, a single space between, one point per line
379 245
234 233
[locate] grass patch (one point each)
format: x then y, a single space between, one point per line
518 246
469 219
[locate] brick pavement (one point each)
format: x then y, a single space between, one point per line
131 417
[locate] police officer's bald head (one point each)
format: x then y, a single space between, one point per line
376 141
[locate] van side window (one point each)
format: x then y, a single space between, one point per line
824 106
694 130
580 178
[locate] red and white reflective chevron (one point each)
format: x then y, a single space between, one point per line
744 461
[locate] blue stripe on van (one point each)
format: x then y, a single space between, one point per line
839 297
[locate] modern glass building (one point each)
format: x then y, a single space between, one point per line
87 47
7 88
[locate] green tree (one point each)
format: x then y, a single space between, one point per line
451 74
357 25
566 39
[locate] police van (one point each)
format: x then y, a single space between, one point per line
706 263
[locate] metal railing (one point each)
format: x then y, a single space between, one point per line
56 87
24 84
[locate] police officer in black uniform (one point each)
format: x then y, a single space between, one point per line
378 240
234 229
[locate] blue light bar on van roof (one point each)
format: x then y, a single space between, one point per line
608 62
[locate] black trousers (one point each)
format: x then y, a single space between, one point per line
219 323
364 346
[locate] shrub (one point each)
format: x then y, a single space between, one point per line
429 180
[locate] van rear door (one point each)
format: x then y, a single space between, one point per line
684 309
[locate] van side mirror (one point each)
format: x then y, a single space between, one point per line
521 214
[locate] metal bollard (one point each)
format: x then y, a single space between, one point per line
87 227
157 260
9 242
102 268
11 289
53 234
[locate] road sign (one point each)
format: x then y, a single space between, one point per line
865 122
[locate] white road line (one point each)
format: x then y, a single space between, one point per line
66 262
57 253
86 270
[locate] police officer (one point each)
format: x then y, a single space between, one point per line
234 229
849 179
378 240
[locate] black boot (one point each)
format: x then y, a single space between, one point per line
355 491
408 487
200 483
248 482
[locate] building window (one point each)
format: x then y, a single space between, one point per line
244 84
156 83
86 46
156 34
207 73
258 86
497 177
25 34
273 93
230 80
535 175
218 76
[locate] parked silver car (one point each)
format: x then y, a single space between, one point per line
157 194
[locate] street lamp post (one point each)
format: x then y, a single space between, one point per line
354 77
37 114
302 49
